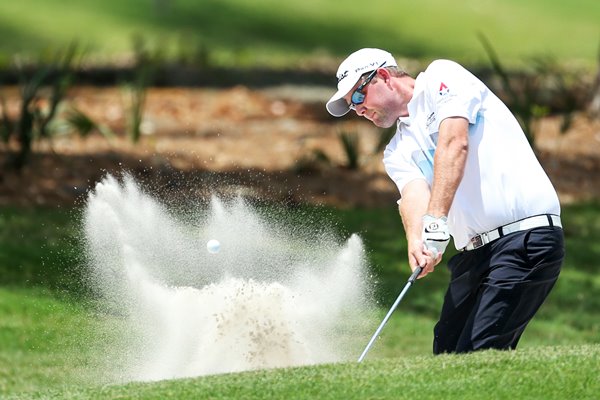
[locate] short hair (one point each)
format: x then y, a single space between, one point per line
396 71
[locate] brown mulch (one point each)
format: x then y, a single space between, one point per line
262 143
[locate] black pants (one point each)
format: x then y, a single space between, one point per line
496 289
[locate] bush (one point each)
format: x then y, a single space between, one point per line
42 91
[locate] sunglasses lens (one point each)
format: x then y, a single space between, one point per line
357 97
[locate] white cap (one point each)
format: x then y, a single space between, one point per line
351 69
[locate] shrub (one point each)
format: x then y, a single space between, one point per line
351 146
42 91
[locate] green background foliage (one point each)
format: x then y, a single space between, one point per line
271 32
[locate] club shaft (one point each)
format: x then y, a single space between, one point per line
411 280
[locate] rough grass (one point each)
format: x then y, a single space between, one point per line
271 32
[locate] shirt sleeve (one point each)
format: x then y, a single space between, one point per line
453 91
400 168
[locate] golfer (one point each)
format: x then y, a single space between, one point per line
464 169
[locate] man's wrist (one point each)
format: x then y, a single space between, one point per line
443 217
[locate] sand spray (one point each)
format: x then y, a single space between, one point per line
277 294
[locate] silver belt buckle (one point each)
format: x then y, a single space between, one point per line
477 242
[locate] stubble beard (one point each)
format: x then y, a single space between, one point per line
384 120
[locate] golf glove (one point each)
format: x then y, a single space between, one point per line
436 235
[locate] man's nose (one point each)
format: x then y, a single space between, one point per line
360 110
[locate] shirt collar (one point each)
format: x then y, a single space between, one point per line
411 106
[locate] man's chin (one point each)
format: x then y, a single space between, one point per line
384 124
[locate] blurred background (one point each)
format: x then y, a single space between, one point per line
197 97
228 86
265 32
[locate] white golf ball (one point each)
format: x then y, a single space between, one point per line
213 246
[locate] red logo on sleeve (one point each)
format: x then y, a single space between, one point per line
443 89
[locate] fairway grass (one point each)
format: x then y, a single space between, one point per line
569 372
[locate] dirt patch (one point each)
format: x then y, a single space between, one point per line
262 143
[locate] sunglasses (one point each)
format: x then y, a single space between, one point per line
358 97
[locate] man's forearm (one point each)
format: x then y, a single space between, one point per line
413 206
449 164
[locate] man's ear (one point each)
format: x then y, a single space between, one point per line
384 75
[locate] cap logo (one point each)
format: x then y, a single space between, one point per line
366 66
342 76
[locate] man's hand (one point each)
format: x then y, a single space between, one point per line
418 256
436 235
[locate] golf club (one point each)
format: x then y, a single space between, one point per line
411 280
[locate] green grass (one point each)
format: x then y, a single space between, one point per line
546 373
42 341
52 341
270 32
40 248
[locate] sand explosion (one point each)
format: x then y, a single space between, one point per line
276 295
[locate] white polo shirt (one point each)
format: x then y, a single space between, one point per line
503 181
